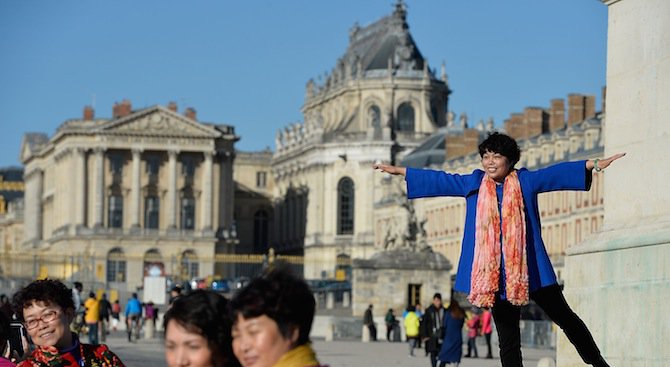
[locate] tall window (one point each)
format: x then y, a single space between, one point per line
188 213
261 179
375 121
260 230
190 265
116 266
151 209
115 218
152 167
405 118
345 206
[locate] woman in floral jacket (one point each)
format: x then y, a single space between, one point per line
46 309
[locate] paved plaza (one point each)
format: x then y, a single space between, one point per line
149 353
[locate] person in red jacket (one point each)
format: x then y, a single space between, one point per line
487 329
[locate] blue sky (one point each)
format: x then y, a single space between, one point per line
245 63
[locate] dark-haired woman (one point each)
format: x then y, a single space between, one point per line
46 309
272 318
504 262
452 346
197 331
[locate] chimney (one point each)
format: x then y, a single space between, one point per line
122 109
89 113
575 108
190 113
514 126
589 107
557 114
533 120
172 106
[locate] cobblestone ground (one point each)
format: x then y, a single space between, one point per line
149 353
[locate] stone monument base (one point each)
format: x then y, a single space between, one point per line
384 280
619 283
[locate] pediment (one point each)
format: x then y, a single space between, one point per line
158 121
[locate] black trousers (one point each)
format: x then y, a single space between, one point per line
551 300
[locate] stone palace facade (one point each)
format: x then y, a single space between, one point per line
146 192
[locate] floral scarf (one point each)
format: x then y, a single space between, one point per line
485 279
92 356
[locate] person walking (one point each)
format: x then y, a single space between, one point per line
78 320
133 317
105 312
411 328
473 331
432 330
92 317
504 262
369 321
452 347
390 321
487 330
116 314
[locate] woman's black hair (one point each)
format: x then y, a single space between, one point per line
205 313
49 291
4 331
501 144
281 296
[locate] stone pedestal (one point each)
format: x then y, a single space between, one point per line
384 280
619 280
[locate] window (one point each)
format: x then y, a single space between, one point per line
153 164
151 206
260 230
115 218
261 179
374 121
116 167
188 167
345 206
188 213
405 118
116 266
189 264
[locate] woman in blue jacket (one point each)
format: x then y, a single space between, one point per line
504 262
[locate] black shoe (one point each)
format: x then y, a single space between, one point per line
601 363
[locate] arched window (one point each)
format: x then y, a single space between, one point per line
345 206
405 121
375 121
190 265
260 231
116 265
153 263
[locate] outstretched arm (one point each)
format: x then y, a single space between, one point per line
601 164
394 170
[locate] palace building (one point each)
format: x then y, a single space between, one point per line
147 192
380 99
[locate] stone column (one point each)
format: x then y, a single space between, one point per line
80 187
99 186
618 281
172 189
135 189
33 204
206 202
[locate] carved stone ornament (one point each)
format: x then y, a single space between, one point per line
159 124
